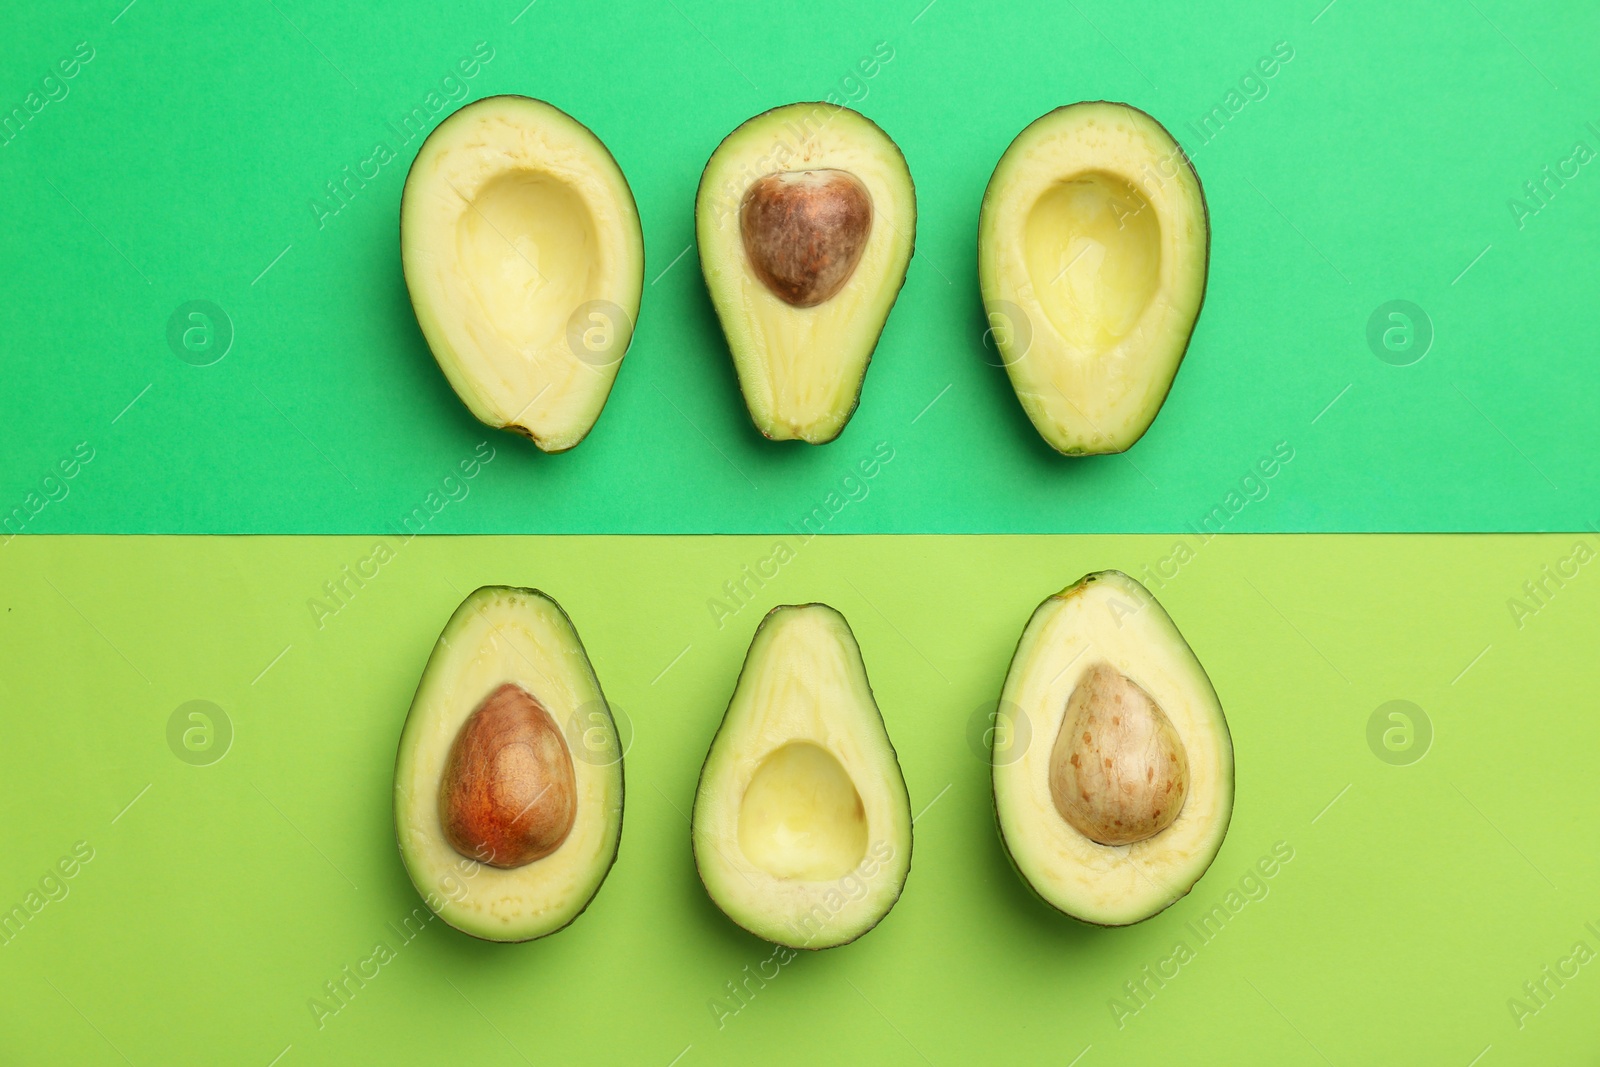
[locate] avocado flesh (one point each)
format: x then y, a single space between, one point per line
524 258
1093 246
1108 622
802 822
801 367
501 636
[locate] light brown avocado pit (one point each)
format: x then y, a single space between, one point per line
1118 771
508 795
804 232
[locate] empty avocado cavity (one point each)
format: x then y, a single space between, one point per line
524 258
1093 250
525 247
802 823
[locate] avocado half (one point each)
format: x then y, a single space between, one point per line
802 822
508 781
805 218
525 261
1113 779
1093 248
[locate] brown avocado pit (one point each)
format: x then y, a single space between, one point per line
804 232
508 795
1118 771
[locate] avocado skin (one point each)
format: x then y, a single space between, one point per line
910 843
911 254
1205 282
994 802
638 226
622 807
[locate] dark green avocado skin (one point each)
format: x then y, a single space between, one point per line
910 844
855 401
621 789
994 802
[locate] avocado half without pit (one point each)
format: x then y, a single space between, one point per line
1093 245
802 822
525 261
1113 769
805 218
508 782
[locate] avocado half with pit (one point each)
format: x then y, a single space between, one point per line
805 218
508 782
525 261
1093 246
1113 765
802 822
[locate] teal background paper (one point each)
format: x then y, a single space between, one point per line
190 159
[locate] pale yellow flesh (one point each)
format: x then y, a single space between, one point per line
802 824
523 254
526 251
801 368
1093 250
1093 247
503 636
801 816
1112 619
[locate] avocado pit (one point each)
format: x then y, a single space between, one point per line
804 232
1118 770
508 795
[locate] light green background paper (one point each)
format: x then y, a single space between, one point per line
1377 164
221 898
